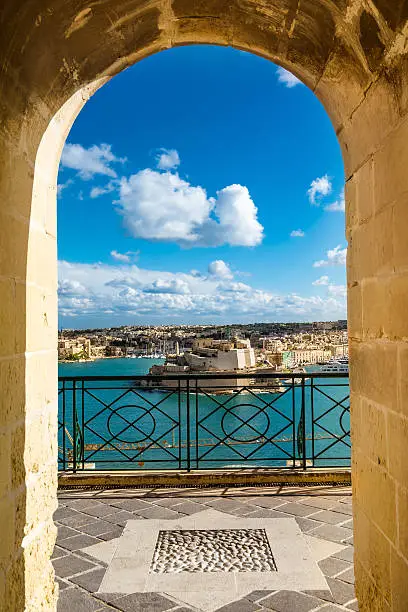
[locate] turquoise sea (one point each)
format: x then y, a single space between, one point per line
120 425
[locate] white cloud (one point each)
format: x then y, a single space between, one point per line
175 285
220 269
335 257
168 159
62 186
297 233
319 188
287 78
97 159
96 192
237 214
129 293
337 206
337 290
323 280
162 206
124 257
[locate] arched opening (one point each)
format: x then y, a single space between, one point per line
354 58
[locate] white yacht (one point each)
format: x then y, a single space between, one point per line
340 366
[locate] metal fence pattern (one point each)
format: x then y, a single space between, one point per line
185 422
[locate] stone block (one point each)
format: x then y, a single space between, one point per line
399 582
398 442
390 164
375 494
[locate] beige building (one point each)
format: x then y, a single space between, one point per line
313 356
353 54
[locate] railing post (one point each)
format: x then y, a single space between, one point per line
74 423
83 424
64 434
188 424
304 424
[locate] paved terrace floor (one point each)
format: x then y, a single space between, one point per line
184 550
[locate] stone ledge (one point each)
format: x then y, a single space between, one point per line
201 478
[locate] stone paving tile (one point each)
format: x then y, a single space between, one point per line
324 595
332 608
77 520
131 505
156 512
348 524
65 532
327 516
347 554
96 528
319 502
77 542
108 597
91 581
59 552
307 524
290 601
332 533
343 509
70 565
188 507
331 566
347 576
62 584
257 595
143 602
63 512
342 591
168 502
121 517
80 504
245 510
267 502
225 505
296 509
116 532
100 510
71 600
353 606
266 513
243 605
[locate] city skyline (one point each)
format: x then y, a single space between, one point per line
202 213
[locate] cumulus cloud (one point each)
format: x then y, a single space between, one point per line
167 159
219 269
163 206
124 257
127 292
337 206
319 188
335 257
297 233
175 285
287 78
323 280
97 159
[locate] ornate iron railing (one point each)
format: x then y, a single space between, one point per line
185 422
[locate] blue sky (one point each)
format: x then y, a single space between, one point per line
203 184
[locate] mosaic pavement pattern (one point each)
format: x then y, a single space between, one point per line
213 550
88 519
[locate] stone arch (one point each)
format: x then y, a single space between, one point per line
353 55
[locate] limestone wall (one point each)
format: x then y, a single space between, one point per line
353 54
